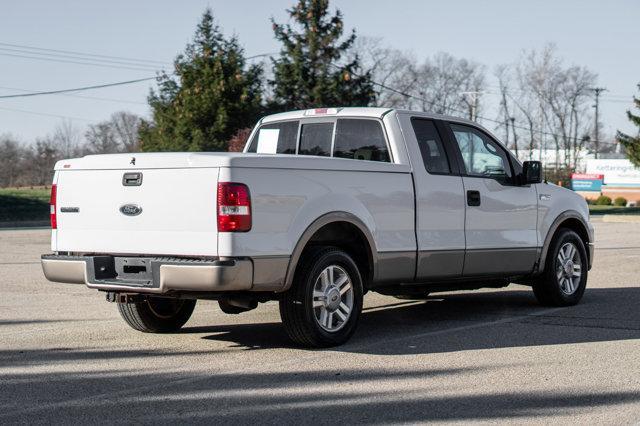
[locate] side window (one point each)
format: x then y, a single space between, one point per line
315 139
481 155
276 138
431 147
360 139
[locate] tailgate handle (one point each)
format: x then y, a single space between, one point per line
132 179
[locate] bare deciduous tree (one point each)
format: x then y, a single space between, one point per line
393 71
502 74
443 82
101 139
11 156
41 158
118 134
67 139
550 100
26 165
126 126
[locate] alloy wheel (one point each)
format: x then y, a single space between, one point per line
568 268
333 298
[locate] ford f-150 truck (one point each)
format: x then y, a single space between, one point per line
322 206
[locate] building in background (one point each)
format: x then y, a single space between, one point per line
618 178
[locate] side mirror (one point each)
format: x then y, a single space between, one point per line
531 172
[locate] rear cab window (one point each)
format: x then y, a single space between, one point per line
350 138
275 138
431 147
315 139
360 139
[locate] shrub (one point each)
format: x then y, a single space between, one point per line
620 202
239 139
603 200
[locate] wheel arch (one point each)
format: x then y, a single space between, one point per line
569 219
323 228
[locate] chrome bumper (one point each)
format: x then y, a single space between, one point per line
150 275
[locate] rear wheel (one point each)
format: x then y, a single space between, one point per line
322 307
565 272
157 314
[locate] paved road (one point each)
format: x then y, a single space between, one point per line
65 355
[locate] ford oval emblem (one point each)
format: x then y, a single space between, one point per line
131 210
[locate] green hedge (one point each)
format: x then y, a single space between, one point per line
620 202
603 200
20 204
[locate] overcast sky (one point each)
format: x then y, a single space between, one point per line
602 35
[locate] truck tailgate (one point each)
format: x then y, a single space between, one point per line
176 216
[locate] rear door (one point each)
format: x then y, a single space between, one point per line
439 200
501 216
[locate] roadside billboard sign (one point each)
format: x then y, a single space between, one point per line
617 173
586 182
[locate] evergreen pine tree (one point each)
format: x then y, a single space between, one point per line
210 95
309 72
632 143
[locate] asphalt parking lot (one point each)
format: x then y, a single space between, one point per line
487 356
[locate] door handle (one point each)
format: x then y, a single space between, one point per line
473 198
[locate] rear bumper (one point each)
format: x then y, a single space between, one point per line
158 275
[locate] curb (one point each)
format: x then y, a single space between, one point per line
621 218
26 224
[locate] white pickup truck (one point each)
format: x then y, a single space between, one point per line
322 206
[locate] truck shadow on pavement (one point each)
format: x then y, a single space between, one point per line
314 385
467 321
353 396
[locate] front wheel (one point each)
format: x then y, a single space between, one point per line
322 307
157 314
565 271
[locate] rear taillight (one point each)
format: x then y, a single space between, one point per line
234 207
52 206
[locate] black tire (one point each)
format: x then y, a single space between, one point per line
551 287
157 314
296 306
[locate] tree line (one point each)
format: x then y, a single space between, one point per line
32 165
214 94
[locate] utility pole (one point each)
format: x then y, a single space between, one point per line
596 138
515 136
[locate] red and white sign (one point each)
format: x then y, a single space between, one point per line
586 176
